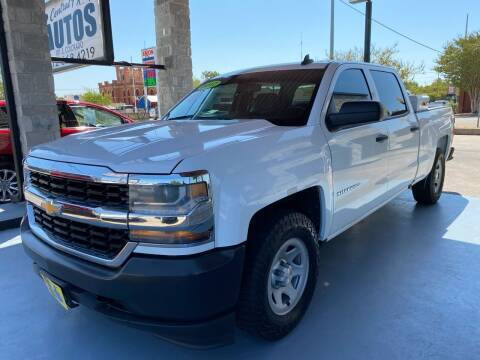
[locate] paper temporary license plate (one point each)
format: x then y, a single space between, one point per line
56 291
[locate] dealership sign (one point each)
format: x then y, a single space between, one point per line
149 75
75 30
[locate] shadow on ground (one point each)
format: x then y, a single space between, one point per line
402 284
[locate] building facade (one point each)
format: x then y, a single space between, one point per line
127 87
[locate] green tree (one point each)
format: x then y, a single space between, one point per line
196 82
437 90
460 65
96 98
387 56
413 87
209 74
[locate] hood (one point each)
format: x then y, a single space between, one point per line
155 147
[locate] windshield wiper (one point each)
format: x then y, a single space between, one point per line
200 117
181 117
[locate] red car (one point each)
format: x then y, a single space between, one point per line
74 117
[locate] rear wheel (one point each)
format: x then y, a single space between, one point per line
8 183
429 190
280 276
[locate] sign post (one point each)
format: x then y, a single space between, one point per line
149 56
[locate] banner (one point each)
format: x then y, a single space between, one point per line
149 56
75 30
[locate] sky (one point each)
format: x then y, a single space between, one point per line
229 35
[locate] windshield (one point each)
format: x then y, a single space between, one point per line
282 97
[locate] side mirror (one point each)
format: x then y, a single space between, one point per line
355 113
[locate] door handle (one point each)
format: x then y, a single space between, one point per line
414 128
381 138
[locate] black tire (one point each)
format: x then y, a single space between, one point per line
255 314
429 190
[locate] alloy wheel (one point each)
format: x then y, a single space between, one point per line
8 185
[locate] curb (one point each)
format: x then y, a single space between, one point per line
466 131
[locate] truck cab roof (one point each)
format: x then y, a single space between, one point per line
323 64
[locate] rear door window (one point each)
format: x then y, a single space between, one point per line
390 92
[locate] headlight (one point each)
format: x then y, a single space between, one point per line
171 209
26 174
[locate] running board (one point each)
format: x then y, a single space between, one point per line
450 155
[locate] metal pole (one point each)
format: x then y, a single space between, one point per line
478 113
159 114
11 109
133 85
368 31
466 27
332 28
301 46
145 92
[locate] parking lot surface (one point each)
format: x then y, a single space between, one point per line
402 284
463 172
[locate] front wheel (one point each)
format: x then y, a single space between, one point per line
8 183
429 190
280 276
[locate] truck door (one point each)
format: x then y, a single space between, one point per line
359 163
404 131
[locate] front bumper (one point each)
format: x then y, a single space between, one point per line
188 300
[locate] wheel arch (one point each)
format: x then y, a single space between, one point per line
309 202
442 144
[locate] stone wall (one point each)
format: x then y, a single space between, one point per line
31 71
172 26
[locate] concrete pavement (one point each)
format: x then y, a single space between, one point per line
466 124
463 172
11 214
466 121
402 284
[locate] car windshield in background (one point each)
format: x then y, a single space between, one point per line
282 97
3 118
81 115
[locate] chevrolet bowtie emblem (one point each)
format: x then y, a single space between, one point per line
51 208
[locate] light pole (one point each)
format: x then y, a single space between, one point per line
132 69
368 27
332 28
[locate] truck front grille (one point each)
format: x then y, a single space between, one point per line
97 241
90 193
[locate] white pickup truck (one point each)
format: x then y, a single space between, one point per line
214 215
